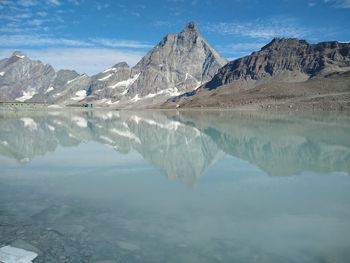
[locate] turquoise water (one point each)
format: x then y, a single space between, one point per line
172 186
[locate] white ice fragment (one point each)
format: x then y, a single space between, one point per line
20 56
9 254
2 74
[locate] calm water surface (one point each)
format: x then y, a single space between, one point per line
154 187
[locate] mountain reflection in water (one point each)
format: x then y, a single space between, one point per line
91 186
183 145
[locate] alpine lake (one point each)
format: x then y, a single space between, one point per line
206 186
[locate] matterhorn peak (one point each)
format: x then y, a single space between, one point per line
191 27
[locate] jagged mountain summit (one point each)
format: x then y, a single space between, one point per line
23 79
178 64
286 60
290 63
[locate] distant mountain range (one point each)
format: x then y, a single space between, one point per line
183 70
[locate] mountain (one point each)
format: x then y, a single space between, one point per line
178 64
23 79
281 61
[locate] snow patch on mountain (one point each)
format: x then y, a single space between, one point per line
79 95
49 90
125 83
106 77
26 95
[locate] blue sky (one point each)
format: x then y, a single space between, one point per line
90 36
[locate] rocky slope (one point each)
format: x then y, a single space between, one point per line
281 61
178 64
23 79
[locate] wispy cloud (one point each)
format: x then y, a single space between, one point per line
27 2
311 4
39 40
240 48
100 6
118 43
84 60
339 3
54 2
260 28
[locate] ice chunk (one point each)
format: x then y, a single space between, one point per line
2 74
9 254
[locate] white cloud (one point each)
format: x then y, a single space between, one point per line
311 4
41 40
54 2
120 43
38 40
240 48
339 3
260 28
100 6
83 60
27 3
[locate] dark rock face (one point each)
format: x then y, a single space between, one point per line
285 60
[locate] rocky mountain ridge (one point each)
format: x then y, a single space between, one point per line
179 63
183 70
281 61
287 60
